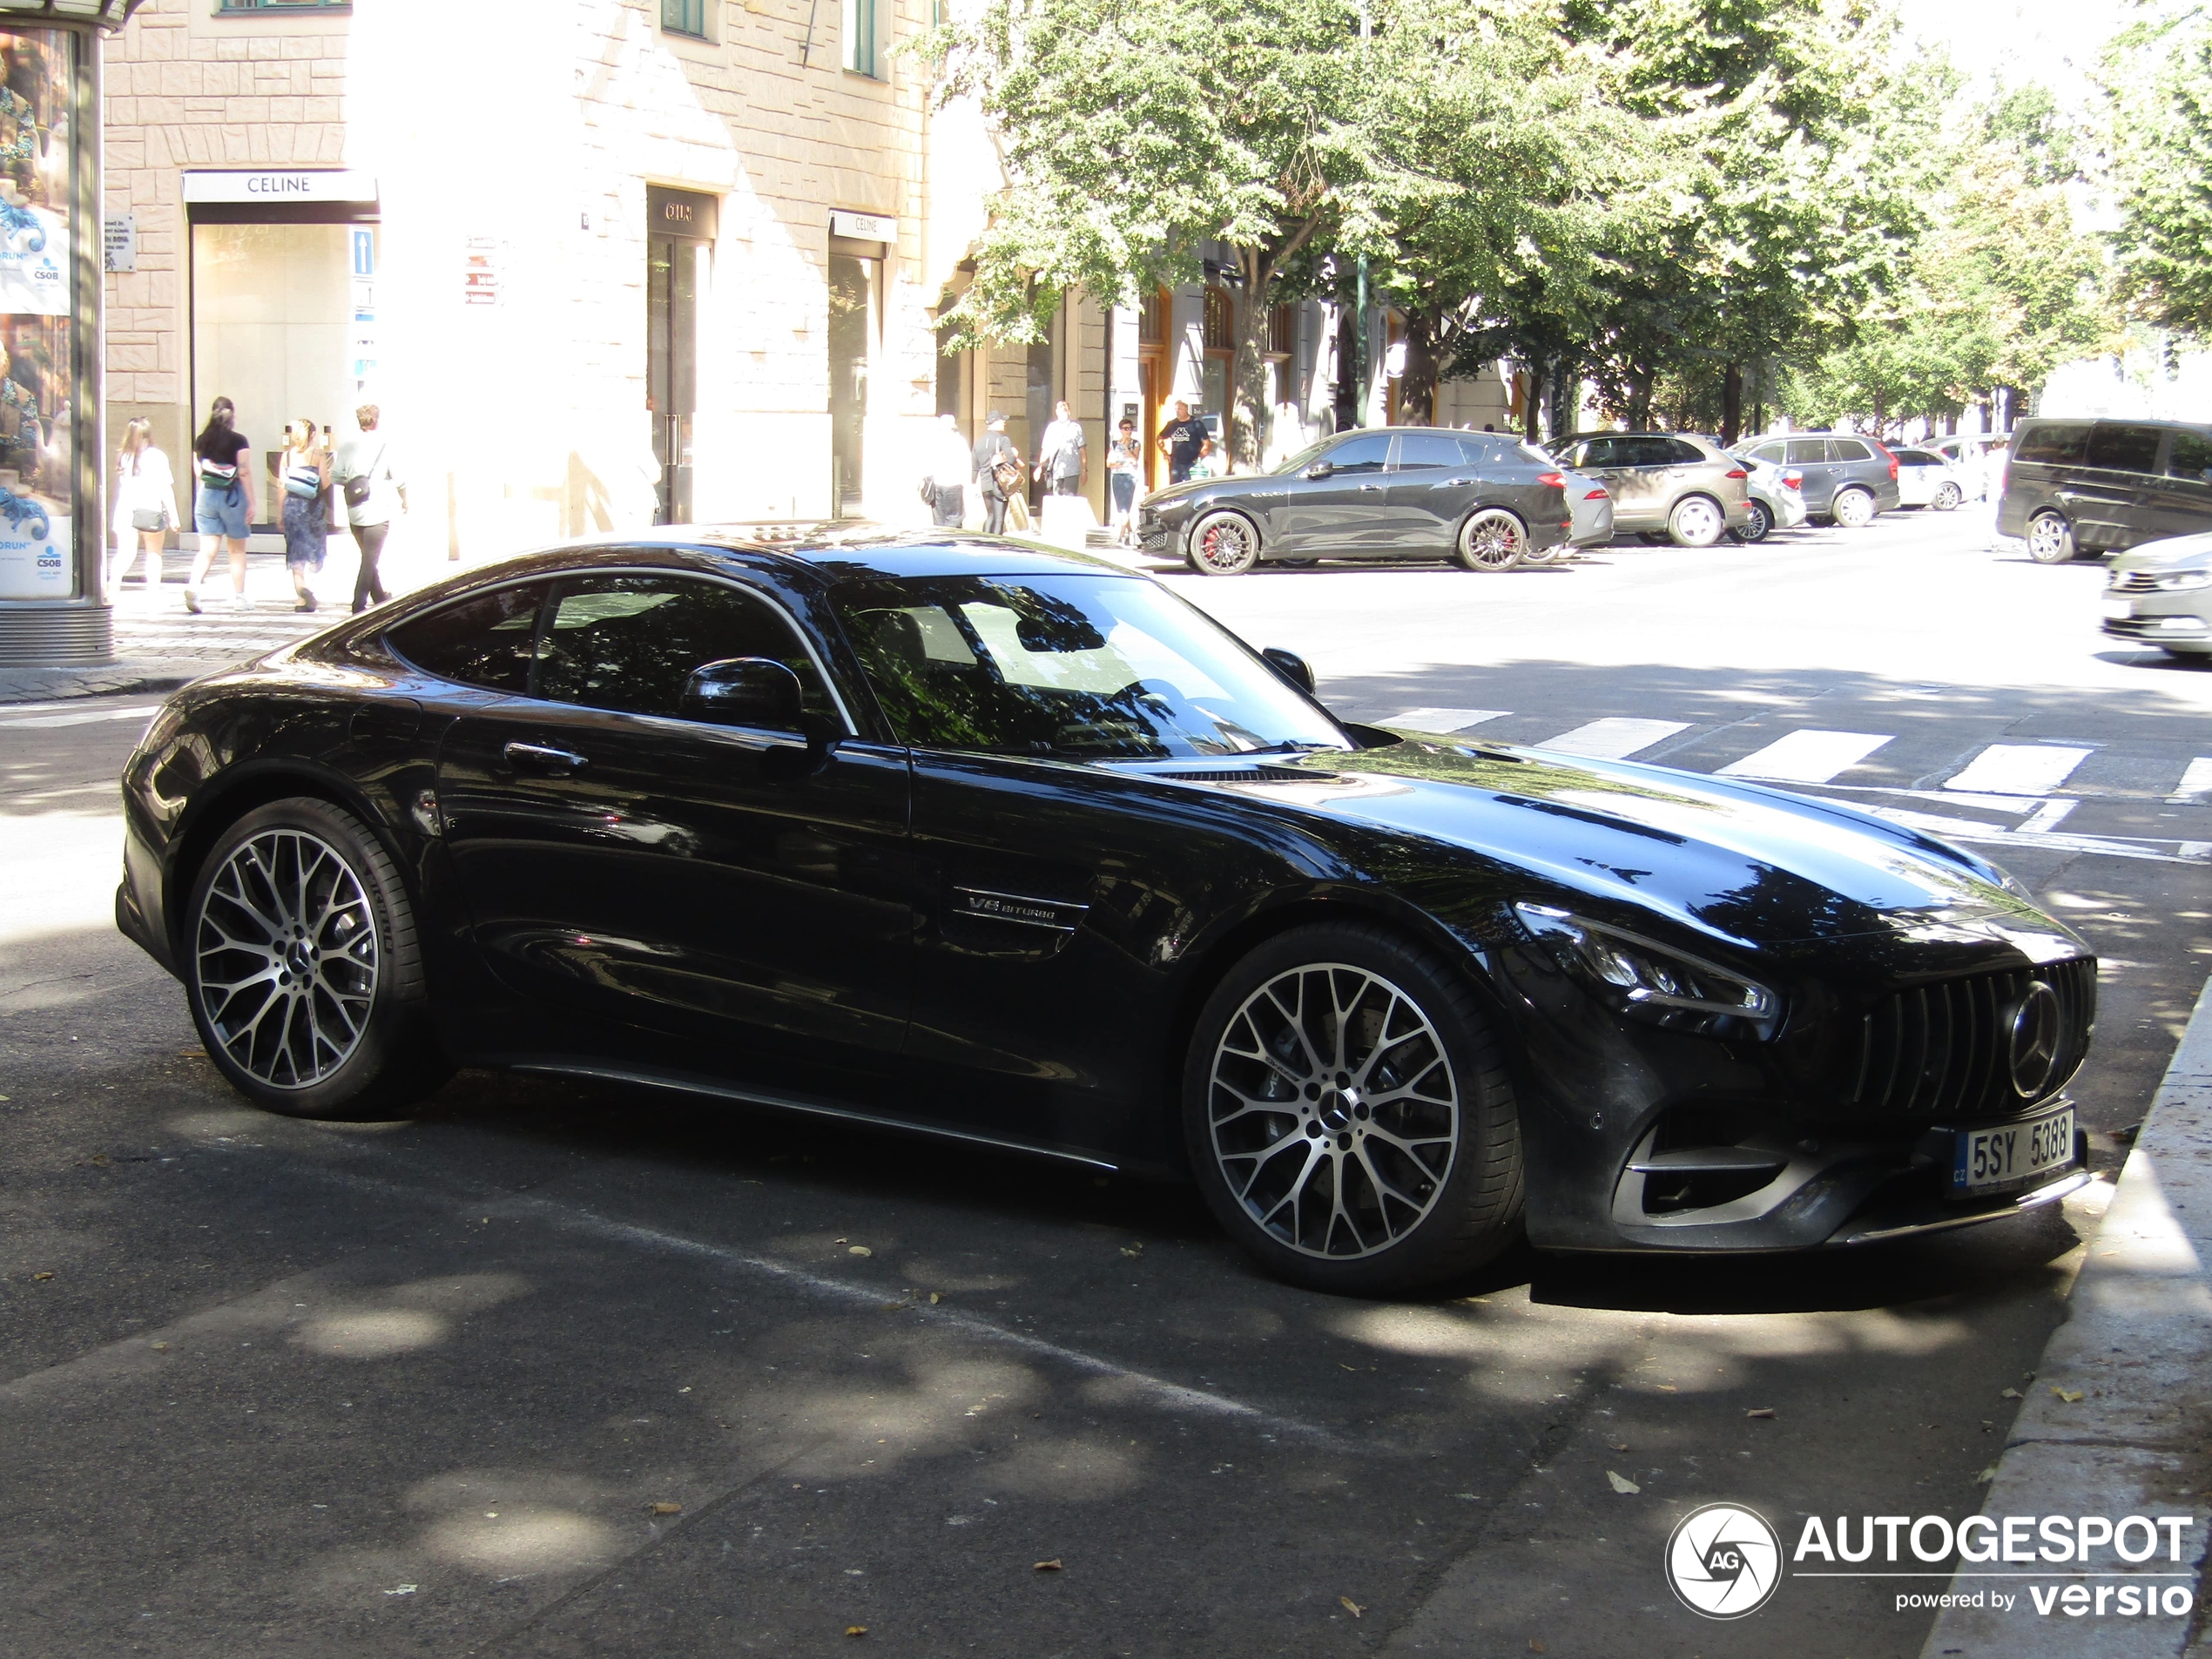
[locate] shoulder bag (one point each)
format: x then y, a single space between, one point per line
359 486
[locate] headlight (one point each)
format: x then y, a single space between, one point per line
1654 983
2181 581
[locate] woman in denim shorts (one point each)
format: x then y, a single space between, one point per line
223 505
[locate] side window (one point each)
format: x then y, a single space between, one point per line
1848 449
1366 453
1808 452
486 641
2191 456
1680 453
1429 450
2059 440
1773 454
2124 448
1646 451
1917 458
630 643
1591 455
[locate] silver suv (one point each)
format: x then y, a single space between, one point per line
1686 489
1848 479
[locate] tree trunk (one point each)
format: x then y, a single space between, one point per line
1248 369
1563 413
1347 401
1731 405
1640 398
1532 406
1417 386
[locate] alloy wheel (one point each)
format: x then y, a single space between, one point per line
286 958
2050 539
1332 1110
1223 545
1493 540
1758 526
1947 497
1854 510
1696 521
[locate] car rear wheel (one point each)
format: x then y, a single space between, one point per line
1348 1113
2050 539
1223 544
1493 540
1854 509
1947 497
303 968
1697 521
1757 525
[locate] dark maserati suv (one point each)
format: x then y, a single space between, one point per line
1407 492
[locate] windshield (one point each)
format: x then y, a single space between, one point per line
1084 667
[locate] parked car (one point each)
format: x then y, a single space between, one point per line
1977 459
1590 505
2160 594
1924 478
960 837
1481 498
1777 502
1686 488
1846 479
2100 486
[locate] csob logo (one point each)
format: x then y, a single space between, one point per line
1723 1560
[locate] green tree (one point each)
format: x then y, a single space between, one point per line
2160 83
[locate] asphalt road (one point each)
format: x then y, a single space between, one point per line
432 1388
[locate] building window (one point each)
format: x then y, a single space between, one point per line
1281 330
864 43
1152 318
685 17
233 6
1221 320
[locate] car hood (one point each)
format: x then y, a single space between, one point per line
2174 553
1185 495
1745 863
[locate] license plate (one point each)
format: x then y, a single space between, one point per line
2118 610
1987 1158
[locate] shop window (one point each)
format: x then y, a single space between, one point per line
864 41
1221 320
685 17
228 7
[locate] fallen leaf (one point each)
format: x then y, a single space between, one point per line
1126 1250
2071 1396
1760 1411
935 1297
2012 1394
41 1275
860 1250
404 1589
1987 1476
1668 1388
684 1391
161 1347
1052 1565
856 1630
894 1307
1351 1605
667 1508
1622 1484
1618 1446
1535 1646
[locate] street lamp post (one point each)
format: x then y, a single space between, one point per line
53 528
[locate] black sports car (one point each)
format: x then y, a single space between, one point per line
952 834
1486 500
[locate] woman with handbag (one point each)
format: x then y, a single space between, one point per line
146 507
223 506
996 465
364 475
306 467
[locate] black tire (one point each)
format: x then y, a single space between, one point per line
1295 564
2050 539
352 971
1757 527
1453 1211
1493 540
1223 543
1654 538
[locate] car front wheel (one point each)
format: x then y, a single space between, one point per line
1947 497
1348 1116
1854 509
1493 540
1223 544
2050 539
304 970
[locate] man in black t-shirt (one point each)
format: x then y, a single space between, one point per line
1183 438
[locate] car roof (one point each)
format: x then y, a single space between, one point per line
849 549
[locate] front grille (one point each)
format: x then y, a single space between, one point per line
2134 582
1943 1050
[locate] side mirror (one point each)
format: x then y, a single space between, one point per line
1317 471
744 690
1291 666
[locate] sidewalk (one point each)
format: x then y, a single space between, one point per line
2119 1419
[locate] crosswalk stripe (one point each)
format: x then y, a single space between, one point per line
2197 780
1443 720
1806 756
1612 739
2019 769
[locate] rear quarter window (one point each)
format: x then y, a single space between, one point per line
486 641
2191 456
1848 449
2060 441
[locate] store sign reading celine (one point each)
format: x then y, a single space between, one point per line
328 185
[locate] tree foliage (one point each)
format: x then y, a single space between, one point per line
2161 159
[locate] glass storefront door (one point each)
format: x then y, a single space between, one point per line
676 275
853 325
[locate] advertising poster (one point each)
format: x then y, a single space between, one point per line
38 391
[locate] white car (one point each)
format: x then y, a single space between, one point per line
1924 478
1976 459
2160 594
1778 497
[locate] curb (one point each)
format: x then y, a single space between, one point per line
124 678
2137 1347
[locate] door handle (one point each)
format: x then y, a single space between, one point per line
1372 486
1453 484
543 757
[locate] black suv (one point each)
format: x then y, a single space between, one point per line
2100 486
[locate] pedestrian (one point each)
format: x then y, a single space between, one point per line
146 506
995 465
946 482
1124 465
305 467
1181 438
364 476
223 505
1064 462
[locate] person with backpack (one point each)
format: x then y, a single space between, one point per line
223 504
996 466
364 475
